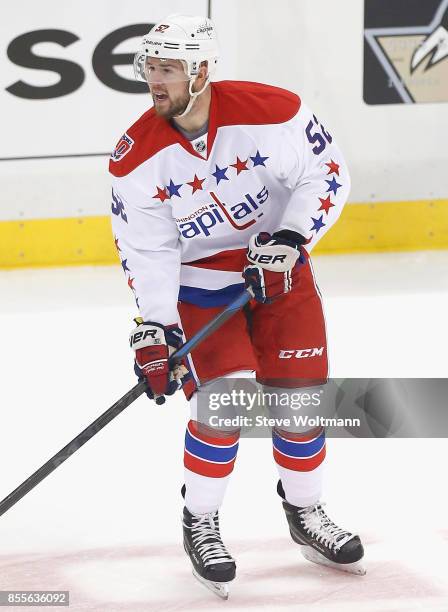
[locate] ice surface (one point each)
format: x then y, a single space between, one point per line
106 524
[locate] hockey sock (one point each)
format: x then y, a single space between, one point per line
209 458
299 458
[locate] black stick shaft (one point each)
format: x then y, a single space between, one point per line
72 447
117 408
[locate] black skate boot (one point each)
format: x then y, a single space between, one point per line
212 564
320 540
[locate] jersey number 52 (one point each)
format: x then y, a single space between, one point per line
319 139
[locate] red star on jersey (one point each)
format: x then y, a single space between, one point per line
116 244
130 281
240 165
333 167
196 184
326 204
161 194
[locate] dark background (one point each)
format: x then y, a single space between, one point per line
388 14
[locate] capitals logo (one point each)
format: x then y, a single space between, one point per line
123 147
212 215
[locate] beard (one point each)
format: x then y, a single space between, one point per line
173 108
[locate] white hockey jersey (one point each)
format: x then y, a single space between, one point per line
182 220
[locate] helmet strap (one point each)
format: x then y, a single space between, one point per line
193 94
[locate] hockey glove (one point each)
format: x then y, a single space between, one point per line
274 262
153 343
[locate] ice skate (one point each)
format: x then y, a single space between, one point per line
322 541
212 564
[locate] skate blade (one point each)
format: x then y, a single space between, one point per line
316 557
221 589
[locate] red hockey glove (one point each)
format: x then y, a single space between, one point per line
274 263
153 344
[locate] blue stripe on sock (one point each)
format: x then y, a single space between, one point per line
298 449
220 454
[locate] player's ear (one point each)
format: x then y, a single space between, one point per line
202 73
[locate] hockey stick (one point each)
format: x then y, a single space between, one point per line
119 406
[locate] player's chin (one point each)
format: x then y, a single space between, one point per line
163 108
167 111
172 113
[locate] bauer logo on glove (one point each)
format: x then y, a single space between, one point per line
272 253
153 344
273 264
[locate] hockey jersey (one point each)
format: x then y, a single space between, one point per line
182 218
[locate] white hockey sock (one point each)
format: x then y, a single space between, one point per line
204 494
302 488
209 453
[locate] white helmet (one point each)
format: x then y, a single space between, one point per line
181 37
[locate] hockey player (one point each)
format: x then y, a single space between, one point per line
218 186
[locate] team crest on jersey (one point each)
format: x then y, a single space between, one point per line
123 147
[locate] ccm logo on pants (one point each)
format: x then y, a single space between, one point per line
301 353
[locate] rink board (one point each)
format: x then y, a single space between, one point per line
362 228
60 130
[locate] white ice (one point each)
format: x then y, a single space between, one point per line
106 524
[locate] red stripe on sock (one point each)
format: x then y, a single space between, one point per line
207 468
299 464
